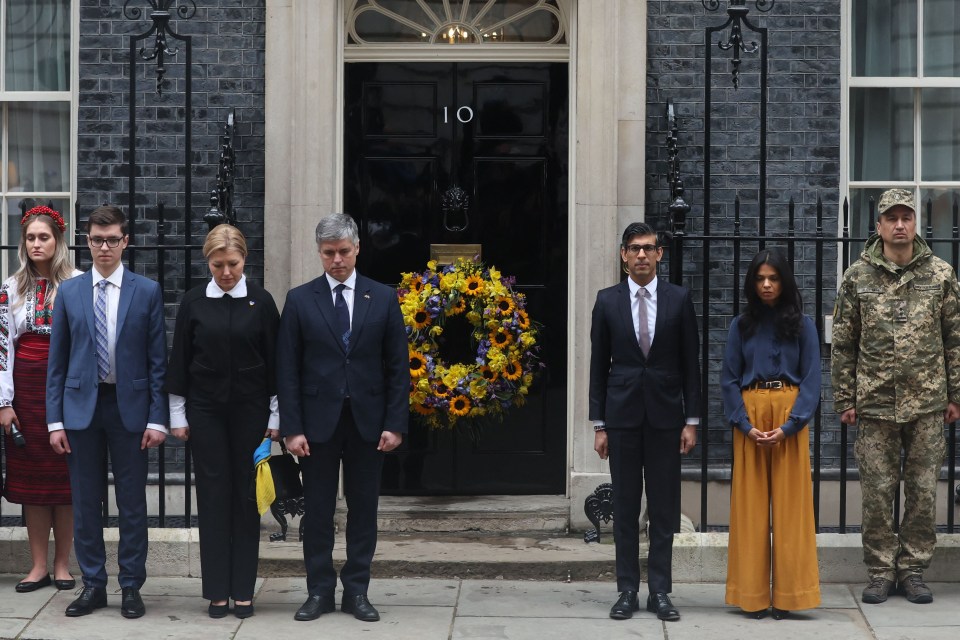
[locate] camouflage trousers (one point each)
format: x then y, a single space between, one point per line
878 449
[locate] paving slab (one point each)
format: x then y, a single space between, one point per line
697 623
897 612
423 592
510 628
396 623
522 599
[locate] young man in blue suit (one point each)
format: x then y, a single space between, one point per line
108 358
645 407
343 383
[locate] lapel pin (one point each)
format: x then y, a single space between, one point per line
367 296
252 303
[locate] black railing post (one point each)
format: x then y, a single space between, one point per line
818 318
845 253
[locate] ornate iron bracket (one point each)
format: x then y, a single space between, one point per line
161 16
221 196
678 206
599 508
455 200
738 17
281 508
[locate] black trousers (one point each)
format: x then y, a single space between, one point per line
362 466
653 454
223 437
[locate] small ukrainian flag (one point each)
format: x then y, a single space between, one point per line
266 493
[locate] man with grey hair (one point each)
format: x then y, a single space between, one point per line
896 371
343 383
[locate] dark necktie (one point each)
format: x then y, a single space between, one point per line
343 314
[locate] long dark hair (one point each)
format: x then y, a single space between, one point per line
789 307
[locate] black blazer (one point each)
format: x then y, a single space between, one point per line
315 372
625 387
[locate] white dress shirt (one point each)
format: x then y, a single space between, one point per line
113 304
348 291
178 404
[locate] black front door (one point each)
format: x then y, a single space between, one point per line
499 132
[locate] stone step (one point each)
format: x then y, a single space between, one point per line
480 514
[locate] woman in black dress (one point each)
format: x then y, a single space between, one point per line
221 381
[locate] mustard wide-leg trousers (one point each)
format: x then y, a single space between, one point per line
772 484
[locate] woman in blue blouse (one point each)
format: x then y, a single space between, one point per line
771 387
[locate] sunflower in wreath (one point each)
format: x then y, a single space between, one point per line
501 332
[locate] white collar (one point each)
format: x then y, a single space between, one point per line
116 278
350 282
239 290
651 287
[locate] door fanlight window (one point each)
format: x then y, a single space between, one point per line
453 22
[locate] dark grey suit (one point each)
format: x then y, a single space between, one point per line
644 402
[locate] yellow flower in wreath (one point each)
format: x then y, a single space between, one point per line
421 319
472 286
513 370
478 388
458 307
489 374
460 406
423 410
523 320
418 364
504 306
500 338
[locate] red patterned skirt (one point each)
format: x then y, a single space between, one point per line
35 474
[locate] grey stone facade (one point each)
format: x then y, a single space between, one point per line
803 159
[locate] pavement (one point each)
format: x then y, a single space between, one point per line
436 608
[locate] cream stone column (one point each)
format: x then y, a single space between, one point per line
610 58
302 150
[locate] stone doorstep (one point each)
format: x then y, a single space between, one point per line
697 557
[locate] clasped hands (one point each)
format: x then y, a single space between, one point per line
767 438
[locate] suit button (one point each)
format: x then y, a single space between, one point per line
348 360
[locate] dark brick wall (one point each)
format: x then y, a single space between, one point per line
228 40
228 44
803 158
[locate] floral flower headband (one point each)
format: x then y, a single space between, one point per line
44 211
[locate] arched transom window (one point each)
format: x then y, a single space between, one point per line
446 22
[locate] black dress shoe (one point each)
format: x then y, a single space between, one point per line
360 607
626 604
314 606
218 610
90 598
757 615
243 610
780 614
27 587
65 585
659 603
131 604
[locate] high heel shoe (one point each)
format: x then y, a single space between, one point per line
757 615
780 614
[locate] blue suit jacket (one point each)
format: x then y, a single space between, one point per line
625 386
141 355
315 371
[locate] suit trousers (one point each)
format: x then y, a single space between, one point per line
87 464
772 485
362 466
654 454
223 437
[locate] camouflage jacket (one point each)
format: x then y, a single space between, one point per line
896 336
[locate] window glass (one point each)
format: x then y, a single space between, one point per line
39 145
941 44
936 204
881 134
37 45
940 129
884 37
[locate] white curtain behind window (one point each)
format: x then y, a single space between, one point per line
37 42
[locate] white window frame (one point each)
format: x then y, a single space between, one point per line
70 96
848 82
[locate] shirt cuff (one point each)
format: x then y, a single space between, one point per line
599 425
693 421
178 411
274 421
157 427
55 426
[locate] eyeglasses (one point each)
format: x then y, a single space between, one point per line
634 249
113 243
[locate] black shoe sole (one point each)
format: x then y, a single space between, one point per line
131 615
84 612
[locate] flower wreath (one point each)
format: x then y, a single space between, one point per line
504 335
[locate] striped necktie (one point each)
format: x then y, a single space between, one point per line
103 346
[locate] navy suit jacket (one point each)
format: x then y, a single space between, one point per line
625 386
315 371
141 355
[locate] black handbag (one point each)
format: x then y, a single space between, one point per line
286 475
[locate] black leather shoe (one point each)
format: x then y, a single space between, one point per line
760 614
131 604
626 604
65 585
659 603
90 598
360 607
314 606
218 610
780 614
27 587
242 610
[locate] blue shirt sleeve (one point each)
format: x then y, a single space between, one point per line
809 397
730 376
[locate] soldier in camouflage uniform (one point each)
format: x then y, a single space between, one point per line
896 368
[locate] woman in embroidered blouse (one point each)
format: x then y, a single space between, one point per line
36 476
770 383
222 384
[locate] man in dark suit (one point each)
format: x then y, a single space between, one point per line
644 404
343 384
107 362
